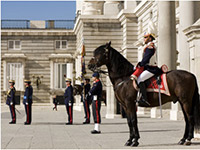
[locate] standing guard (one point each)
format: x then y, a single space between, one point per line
69 100
11 101
86 100
28 101
95 94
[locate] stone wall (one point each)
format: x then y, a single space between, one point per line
36 46
96 31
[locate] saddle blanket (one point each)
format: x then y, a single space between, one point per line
153 86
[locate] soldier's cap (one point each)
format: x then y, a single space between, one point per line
151 30
96 74
11 81
87 78
68 80
27 81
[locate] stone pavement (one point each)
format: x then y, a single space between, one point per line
48 131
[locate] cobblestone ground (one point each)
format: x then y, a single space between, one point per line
48 131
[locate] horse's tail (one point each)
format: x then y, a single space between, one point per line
196 107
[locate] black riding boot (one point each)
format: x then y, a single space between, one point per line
143 101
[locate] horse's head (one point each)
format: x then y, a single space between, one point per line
77 89
100 57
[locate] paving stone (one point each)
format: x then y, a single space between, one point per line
48 131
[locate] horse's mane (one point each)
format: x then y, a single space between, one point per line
119 64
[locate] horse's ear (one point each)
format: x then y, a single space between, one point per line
108 44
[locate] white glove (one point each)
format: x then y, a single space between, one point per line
132 77
11 103
95 97
70 104
26 103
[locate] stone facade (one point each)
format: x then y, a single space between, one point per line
35 59
121 22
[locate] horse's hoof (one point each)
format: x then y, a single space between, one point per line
128 143
135 143
181 142
187 142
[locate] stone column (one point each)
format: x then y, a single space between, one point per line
5 75
110 99
79 5
70 71
167 34
129 5
111 7
189 14
92 7
166 38
193 35
51 74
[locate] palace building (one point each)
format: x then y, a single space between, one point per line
46 51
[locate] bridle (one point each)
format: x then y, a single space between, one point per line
95 69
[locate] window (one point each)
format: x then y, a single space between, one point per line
15 72
14 45
61 44
60 73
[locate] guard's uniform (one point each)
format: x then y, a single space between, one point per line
69 100
11 103
86 103
96 93
28 103
147 68
148 63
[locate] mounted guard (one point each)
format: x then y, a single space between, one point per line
147 68
120 70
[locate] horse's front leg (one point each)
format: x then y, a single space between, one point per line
133 128
129 142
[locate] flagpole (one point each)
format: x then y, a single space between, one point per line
83 72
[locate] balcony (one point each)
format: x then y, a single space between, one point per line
28 24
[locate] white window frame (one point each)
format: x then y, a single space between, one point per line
61 47
61 77
14 45
15 74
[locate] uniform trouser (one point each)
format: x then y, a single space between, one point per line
55 106
96 107
12 112
28 113
87 110
144 76
70 113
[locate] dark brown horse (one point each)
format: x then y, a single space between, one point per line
182 86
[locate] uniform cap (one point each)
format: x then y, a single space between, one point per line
27 81
11 81
151 30
68 80
96 74
87 78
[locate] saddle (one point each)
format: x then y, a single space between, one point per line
153 84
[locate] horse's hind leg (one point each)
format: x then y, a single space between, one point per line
182 141
189 127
